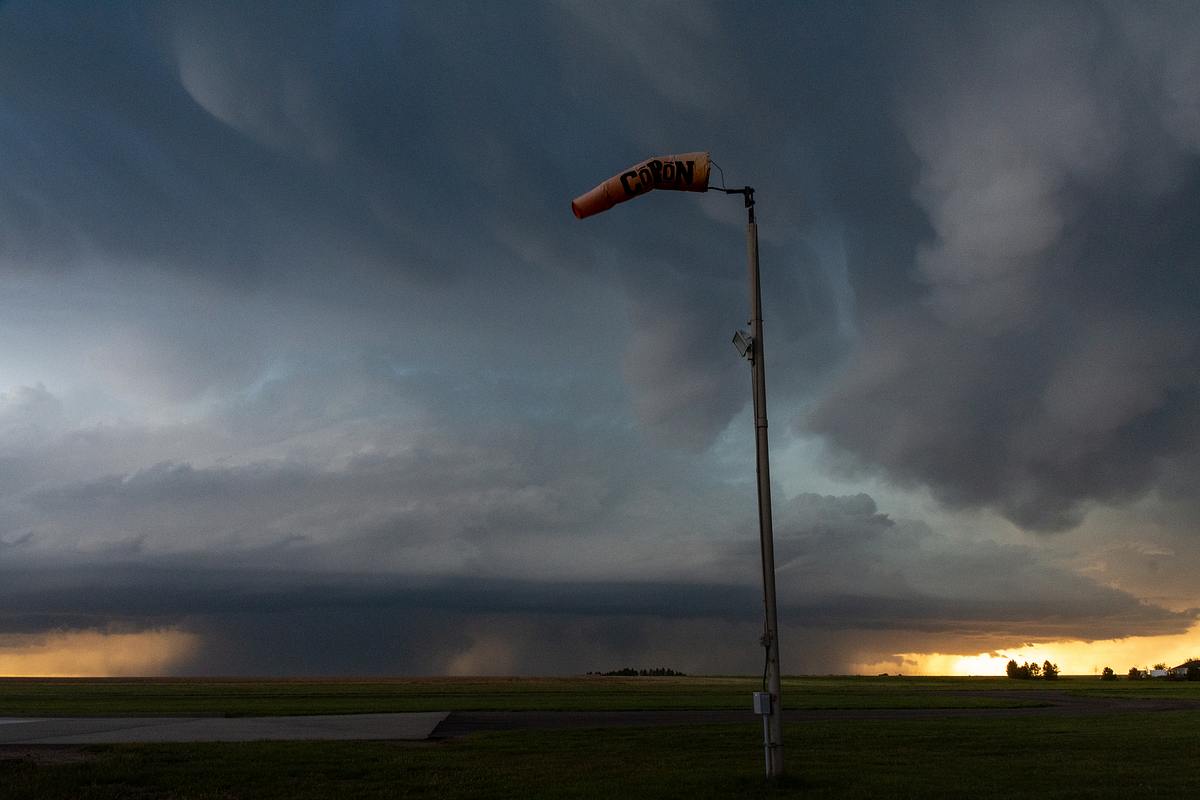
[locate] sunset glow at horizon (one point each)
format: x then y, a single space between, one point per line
95 654
1072 658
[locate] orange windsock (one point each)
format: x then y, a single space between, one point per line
687 172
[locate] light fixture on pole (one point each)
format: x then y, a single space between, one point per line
744 344
689 172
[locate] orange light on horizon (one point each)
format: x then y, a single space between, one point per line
94 654
1072 657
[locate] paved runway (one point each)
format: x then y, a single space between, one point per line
108 730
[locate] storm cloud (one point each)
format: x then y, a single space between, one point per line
302 353
1050 362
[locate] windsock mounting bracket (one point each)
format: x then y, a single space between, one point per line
747 192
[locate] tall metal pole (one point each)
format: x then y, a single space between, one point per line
768 703
770 640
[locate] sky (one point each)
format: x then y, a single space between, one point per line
306 367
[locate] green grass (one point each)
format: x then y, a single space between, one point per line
250 697
1099 755
1120 756
65 697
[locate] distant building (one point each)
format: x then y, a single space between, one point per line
1159 673
1182 670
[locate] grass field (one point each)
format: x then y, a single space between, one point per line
237 697
1119 756
1104 755
259 697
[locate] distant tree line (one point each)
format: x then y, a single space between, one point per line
1027 671
630 672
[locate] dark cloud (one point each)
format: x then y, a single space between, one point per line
303 347
1051 360
424 624
853 583
350 161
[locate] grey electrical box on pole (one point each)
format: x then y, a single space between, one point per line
762 707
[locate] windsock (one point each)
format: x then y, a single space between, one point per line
687 172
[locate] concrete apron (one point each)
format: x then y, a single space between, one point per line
115 730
